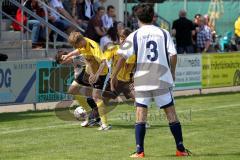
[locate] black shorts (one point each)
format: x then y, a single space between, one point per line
127 88
82 78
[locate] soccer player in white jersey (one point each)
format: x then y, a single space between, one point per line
154 76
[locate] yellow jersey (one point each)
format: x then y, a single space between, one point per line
126 70
237 27
93 55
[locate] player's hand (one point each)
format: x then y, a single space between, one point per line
113 83
93 78
64 57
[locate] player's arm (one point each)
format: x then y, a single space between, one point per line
173 62
93 78
172 54
120 63
71 54
67 61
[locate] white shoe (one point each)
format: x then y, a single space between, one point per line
85 123
104 127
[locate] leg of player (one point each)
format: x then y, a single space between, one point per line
140 130
87 104
102 111
176 130
73 89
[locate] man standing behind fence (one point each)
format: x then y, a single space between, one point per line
183 29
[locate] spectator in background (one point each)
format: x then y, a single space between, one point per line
134 20
57 21
204 37
196 24
95 29
108 17
85 12
183 30
237 32
120 27
67 4
109 39
210 25
155 19
98 3
34 24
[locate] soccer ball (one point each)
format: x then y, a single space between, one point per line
80 114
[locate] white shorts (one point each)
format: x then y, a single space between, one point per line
162 98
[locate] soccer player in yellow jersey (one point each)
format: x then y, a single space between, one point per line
124 77
96 68
79 71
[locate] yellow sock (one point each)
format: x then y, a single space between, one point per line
83 103
102 112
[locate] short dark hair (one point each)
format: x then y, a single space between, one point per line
58 56
110 7
100 8
197 15
145 12
127 31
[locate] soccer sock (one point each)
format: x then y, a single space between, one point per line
176 130
102 112
91 103
83 103
140 130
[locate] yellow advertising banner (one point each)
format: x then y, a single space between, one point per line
220 70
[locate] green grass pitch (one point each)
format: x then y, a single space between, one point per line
211 130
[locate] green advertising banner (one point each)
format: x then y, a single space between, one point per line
220 70
52 81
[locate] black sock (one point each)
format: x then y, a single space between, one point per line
176 130
91 103
140 130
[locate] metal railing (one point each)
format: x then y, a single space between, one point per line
55 12
42 20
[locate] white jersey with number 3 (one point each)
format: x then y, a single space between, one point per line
152 70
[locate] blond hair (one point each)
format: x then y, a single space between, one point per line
74 38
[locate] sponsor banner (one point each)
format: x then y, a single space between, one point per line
188 72
52 81
17 82
221 70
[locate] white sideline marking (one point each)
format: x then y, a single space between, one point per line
75 124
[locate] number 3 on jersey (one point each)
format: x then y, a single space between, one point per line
152 45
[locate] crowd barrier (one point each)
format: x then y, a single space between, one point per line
34 81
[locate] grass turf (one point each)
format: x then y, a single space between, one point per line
210 129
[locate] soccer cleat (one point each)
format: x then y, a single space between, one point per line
85 123
137 155
184 153
94 122
104 127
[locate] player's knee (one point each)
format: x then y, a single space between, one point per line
73 90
